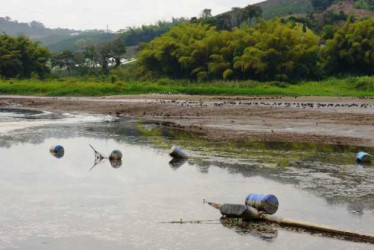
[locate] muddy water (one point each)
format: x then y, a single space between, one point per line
50 203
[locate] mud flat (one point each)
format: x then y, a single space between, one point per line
324 120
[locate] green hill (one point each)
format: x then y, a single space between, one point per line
75 41
272 8
54 39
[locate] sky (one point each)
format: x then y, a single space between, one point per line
117 14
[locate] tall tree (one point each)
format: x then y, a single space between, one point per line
351 49
19 57
206 13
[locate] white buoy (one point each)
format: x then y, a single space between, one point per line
177 153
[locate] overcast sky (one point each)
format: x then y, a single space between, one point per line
117 14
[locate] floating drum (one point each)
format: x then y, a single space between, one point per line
239 211
115 155
57 151
262 202
363 157
177 153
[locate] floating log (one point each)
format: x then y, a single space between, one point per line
249 213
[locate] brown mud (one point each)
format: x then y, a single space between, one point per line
323 120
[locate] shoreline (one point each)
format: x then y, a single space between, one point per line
322 120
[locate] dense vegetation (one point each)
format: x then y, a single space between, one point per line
22 58
273 8
89 58
270 50
136 35
238 45
351 50
365 4
231 19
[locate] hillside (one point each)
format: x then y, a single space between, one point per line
75 41
54 39
360 8
272 8
58 40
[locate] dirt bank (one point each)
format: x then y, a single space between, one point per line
325 120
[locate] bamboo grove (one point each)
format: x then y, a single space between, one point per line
269 50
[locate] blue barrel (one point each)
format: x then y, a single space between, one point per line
262 202
363 157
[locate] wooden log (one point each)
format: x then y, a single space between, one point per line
299 224
318 228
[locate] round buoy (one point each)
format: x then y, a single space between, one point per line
57 151
115 155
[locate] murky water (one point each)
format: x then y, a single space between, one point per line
50 203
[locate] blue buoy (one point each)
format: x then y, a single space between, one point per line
262 202
57 151
363 157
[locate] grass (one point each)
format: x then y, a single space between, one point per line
349 86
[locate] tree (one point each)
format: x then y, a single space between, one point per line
64 60
321 4
91 54
19 57
236 16
279 51
269 51
206 13
118 50
250 12
351 49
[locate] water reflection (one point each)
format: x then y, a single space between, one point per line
262 230
57 155
177 163
115 163
124 207
330 171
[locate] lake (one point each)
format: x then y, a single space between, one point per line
68 203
